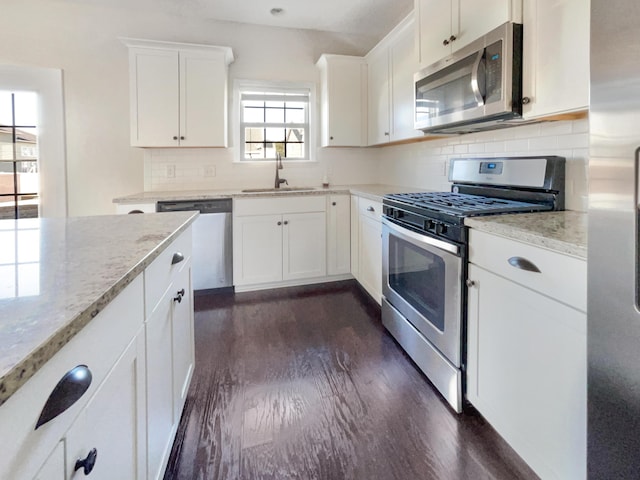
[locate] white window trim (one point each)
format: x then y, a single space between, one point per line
239 85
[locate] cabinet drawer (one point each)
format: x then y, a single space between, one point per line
98 345
561 277
279 205
370 208
158 275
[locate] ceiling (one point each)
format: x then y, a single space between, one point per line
372 18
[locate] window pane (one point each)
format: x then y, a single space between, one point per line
253 103
275 134
5 109
28 206
7 240
26 110
254 134
6 144
253 151
275 115
274 104
295 115
6 181
26 144
295 135
253 115
27 173
7 281
295 150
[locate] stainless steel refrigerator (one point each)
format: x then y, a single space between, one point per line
613 430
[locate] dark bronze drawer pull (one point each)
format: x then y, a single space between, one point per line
177 258
523 264
67 392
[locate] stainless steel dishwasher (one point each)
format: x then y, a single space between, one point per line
212 265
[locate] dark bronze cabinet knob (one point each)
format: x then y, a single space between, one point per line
526 100
181 138
445 42
88 463
452 38
175 137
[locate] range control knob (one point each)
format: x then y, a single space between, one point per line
441 228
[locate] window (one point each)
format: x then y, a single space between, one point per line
19 184
274 120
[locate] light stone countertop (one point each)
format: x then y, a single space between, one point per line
372 192
68 270
563 232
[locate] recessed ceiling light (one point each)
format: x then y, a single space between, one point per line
277 11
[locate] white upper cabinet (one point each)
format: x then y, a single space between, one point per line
343 92
379 96
391 66
178 94
555 57
445 26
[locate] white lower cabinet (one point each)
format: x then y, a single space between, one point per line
105 440
279 241
369 240
338 234
526 352
140 371
169 349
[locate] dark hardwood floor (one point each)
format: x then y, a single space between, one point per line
305 383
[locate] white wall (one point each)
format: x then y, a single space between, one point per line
426 164
82 40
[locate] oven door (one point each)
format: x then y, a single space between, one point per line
422 279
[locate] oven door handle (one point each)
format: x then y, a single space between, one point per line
421 238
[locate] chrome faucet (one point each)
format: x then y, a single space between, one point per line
279 181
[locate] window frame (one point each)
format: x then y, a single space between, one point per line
242 87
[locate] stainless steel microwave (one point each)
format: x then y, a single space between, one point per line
478 87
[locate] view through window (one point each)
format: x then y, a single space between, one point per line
272 121
19 183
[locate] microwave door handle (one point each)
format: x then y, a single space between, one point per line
475 73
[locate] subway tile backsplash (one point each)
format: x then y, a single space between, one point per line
425 164
421 164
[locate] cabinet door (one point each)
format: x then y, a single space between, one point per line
559 82
182 340
403 66
53 467
160 410
479 18
338 234
113 422
526 372
257 249
343 109
154 98
434 27
379 91
203 99
370 256
304 246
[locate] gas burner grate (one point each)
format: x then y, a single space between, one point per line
461 204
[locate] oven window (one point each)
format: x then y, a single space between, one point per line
418 276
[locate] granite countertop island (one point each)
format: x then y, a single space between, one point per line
58 274
370 191
564 232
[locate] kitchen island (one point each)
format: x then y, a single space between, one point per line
84 291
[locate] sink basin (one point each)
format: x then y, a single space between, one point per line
283 189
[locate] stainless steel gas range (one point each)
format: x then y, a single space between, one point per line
424 250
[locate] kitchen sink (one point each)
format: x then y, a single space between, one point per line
283 189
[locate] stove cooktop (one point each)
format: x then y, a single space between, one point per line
463 205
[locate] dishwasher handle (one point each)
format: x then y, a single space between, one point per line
216 205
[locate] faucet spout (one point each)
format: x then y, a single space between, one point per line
279 181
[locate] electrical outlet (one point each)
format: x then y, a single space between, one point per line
210 171
171 171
